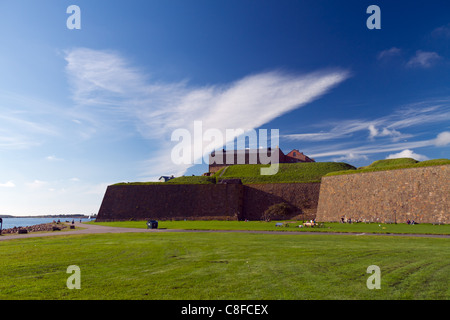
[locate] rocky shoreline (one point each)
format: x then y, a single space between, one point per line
36 228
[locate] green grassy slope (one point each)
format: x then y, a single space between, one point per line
287 173
393 164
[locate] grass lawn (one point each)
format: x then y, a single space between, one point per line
224 266
270 226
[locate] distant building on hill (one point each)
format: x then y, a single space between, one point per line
296 156
165 178
224 158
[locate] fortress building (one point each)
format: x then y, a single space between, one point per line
223 158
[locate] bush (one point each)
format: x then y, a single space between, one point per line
278 211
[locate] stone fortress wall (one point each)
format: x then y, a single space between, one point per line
421 194
205 201
166 202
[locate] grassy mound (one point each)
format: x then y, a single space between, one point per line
393 164
287 173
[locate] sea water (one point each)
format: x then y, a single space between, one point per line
26 222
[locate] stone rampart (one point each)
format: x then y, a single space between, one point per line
420 194
303 197
177 202
228 201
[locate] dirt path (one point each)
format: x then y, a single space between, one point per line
81 228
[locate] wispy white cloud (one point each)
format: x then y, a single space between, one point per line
14 140
104 80
27 122
385 132
320 136
8 184
339 130
442 31
346 128
347 152
389 53
423 59
351 157
53 158
443 139
387 127
26 125
36 184
329 151
407 154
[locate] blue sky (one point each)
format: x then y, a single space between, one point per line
82 109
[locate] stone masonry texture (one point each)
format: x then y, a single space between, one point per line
303 197
420 194
206 202
166 202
